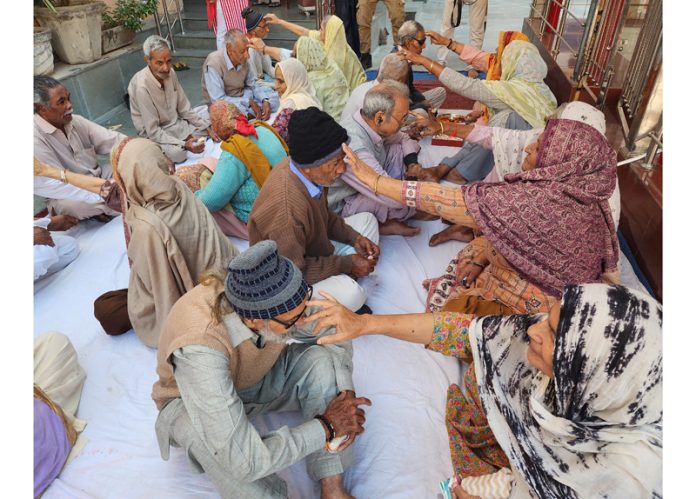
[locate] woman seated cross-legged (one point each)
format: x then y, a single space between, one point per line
546 226
562 405
229 188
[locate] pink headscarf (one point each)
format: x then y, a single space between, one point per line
553 223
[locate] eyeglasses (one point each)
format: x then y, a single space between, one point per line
291 322
421 42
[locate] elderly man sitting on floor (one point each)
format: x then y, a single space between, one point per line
228 75
69 142
292 210
376 138
159 107
392 67
223 356
412 37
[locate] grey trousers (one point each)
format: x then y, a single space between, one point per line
474 162
302 379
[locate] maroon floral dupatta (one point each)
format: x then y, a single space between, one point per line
553 223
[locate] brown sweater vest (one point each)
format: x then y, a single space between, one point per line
233 80
301 226
190 322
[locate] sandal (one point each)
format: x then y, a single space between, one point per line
180 66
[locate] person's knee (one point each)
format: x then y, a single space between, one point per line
175 153
368 226
320 373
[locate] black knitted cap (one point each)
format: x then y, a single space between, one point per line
314 137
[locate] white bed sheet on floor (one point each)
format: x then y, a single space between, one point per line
403 453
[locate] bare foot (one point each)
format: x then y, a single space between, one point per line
332 488
421 215
393 227
452 233
454 177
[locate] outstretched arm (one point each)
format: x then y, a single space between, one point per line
432 198
291 27
86 182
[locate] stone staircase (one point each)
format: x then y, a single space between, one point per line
197 40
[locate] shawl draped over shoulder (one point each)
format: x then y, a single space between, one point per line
521 85
553 223
328 80
173 237
595 428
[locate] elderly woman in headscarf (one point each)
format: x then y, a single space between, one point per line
171 238
296 92
332 36
328 81
510 152
518 100
229 187
546 226
562 405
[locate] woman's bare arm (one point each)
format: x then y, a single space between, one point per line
86 182
432 198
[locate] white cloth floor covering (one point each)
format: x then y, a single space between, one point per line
403 453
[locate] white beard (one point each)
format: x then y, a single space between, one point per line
271 337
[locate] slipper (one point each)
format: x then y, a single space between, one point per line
180 66
274 4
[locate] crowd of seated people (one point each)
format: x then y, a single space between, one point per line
296 152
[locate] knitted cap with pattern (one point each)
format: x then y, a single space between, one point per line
314 137
251 18
261 284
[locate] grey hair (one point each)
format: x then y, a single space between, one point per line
42 84
383 98
234 36
392 68
155 42
409 31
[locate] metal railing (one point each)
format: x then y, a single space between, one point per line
640 104
169 24
600 25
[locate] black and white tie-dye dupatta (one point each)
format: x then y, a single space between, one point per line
595 429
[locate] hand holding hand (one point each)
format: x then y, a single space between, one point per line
429 175
62 222
345 416
473 116
366 248
361 266
193 145
427 126
437 39
265 110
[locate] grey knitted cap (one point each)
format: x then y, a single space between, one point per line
261 284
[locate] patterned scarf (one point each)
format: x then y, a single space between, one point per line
521 85
553 223
595 428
